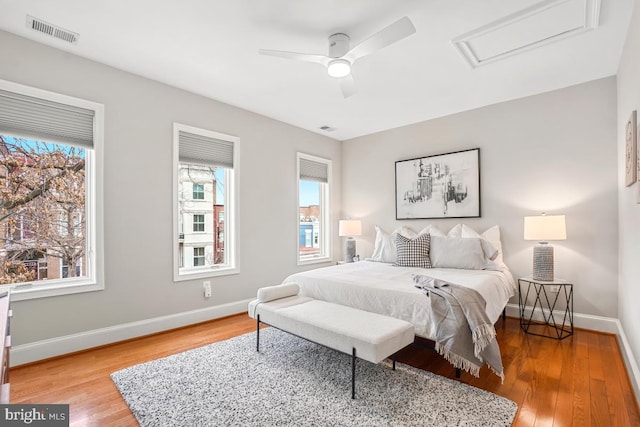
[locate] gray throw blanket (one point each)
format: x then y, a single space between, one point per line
464 333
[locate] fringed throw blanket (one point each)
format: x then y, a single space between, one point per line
464 333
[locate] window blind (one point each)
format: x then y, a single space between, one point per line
311 170
45 120
204 150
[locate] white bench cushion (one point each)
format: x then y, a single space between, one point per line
374 336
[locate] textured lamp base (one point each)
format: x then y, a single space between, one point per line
349 250
543 263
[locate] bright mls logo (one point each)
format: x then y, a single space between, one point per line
34 415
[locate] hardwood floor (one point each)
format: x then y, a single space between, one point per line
579 381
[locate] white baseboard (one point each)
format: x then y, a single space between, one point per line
585 321
39 350
601 324
630 362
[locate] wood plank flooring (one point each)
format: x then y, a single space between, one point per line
579 381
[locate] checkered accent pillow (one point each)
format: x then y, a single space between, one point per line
413 252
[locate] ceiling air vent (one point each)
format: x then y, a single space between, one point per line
52 30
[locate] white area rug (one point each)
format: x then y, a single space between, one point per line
295 382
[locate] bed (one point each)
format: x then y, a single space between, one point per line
384 283
389 290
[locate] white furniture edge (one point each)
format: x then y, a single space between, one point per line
600 324
31 352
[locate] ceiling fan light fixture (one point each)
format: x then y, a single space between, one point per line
339 68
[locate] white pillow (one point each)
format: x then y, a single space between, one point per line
456 231
492 235
384 249
433 230
457 252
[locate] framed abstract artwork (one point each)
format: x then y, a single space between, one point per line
631 156
439 186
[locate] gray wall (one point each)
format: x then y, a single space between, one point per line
554 152
628 197
139 114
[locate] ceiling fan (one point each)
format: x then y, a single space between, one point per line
341 58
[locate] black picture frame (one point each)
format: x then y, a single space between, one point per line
439 186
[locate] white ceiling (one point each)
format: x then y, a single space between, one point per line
210 47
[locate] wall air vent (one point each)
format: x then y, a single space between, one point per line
52 30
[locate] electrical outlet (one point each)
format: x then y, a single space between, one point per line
206 285
554 288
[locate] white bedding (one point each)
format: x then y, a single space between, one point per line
385 289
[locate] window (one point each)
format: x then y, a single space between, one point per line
42 269
198 222
77 271
198 257
50 192
205 165
313 209
198 191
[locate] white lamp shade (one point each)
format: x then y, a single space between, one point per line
545 227
349 227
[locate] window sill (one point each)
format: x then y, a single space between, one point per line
205 273
23 293
315 260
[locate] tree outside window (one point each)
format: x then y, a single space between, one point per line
42 209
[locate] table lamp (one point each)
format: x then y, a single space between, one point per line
349 228
544 228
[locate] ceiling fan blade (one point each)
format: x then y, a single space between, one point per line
387 36
307 57
348 86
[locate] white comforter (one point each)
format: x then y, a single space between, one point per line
385 289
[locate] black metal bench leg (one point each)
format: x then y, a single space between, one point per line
394 363
258 334
458 372
504 314
353 373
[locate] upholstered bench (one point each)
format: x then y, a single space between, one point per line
368 336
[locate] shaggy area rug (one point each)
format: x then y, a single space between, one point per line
295 382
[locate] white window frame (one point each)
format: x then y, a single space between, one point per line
231 206
94 280
325 225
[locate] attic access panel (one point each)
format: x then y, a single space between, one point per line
530 28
